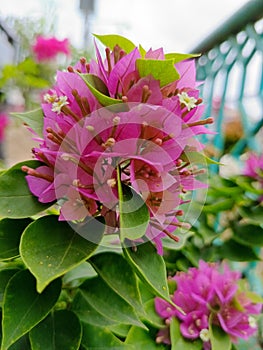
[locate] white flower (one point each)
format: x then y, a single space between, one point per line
188 101
59 103
50 98
204 335
252 322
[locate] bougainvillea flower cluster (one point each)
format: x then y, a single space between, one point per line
46 49
121 120
209 294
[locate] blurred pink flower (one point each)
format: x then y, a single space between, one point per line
4 120
46 49
254 167
210 291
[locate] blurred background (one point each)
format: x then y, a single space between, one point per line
175 25
228 33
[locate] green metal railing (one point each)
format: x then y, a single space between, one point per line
231 67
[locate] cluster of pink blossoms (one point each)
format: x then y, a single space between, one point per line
47 49
209 292
145 135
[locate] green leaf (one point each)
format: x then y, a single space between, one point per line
237 252
10 233
96 338
219 339
109 304
22 343
50 248
151 317
5 276
121 330
59 330
198 157
179 342
34 119
142 51
110 267
254 297
75 277
162 70
28 66
99 90
246 183
251 235
138 338
253 214
178 57
134 214
16 200
23 307
111 40
221 205
150 267
88 314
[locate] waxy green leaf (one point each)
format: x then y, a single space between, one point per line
100 338
23 307
110 267
134 214
34 119
99 90
50 248
253 214
151 317
162 70
235 251
179 342
16 200
88 314
150 267
10 233
199 158
220 205
178 57
5 276
109 304
21 344
219 339
111 40
59 330
250 235
138 338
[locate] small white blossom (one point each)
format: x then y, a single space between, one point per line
59 103
252 322
204 335
50 98
188 101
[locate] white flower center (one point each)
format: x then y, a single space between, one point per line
50 98
188 101
59 103
111 182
